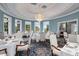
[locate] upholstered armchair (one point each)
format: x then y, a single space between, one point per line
42 36
70 49
65 35
54 46
33 37
47 36
22 47
36 36
3 52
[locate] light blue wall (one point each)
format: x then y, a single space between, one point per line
1 21
13 25
41 26
13 22
23 25
53 22
53 26
32 25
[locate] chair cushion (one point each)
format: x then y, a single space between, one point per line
2 53
55 51
21 48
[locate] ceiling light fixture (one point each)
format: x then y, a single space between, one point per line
34 3
44 6
39 17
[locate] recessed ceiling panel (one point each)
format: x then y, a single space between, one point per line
28 11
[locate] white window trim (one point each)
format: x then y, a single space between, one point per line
58 24
26 22
47 23
9 24
39 26
20 24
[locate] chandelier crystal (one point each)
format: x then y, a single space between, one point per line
39 17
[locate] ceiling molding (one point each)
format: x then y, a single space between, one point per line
64 15
52 15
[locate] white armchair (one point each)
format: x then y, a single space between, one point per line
65 35
31 33
70 49
11 49
3 52
33 36
18 36
42 36
54 46
47 36
36 37
22 48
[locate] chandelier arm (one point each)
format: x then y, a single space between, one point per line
39 17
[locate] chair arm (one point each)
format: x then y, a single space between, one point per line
4 50
55 47
19 46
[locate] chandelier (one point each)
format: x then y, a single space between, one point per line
39 17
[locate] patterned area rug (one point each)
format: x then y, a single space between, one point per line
40 49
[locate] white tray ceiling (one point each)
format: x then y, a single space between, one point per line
28 11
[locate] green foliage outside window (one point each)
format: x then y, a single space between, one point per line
27 27
5 24
6 27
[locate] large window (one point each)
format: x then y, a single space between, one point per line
27 26
45 26
18 25
69 27
7 24
37 27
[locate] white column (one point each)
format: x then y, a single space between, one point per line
20 26
10 25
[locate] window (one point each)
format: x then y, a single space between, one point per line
37 27
69 27
5 25
45 26
18 25
27 26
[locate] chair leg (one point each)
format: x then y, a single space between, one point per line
28 51
52 52
6 51
17 53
